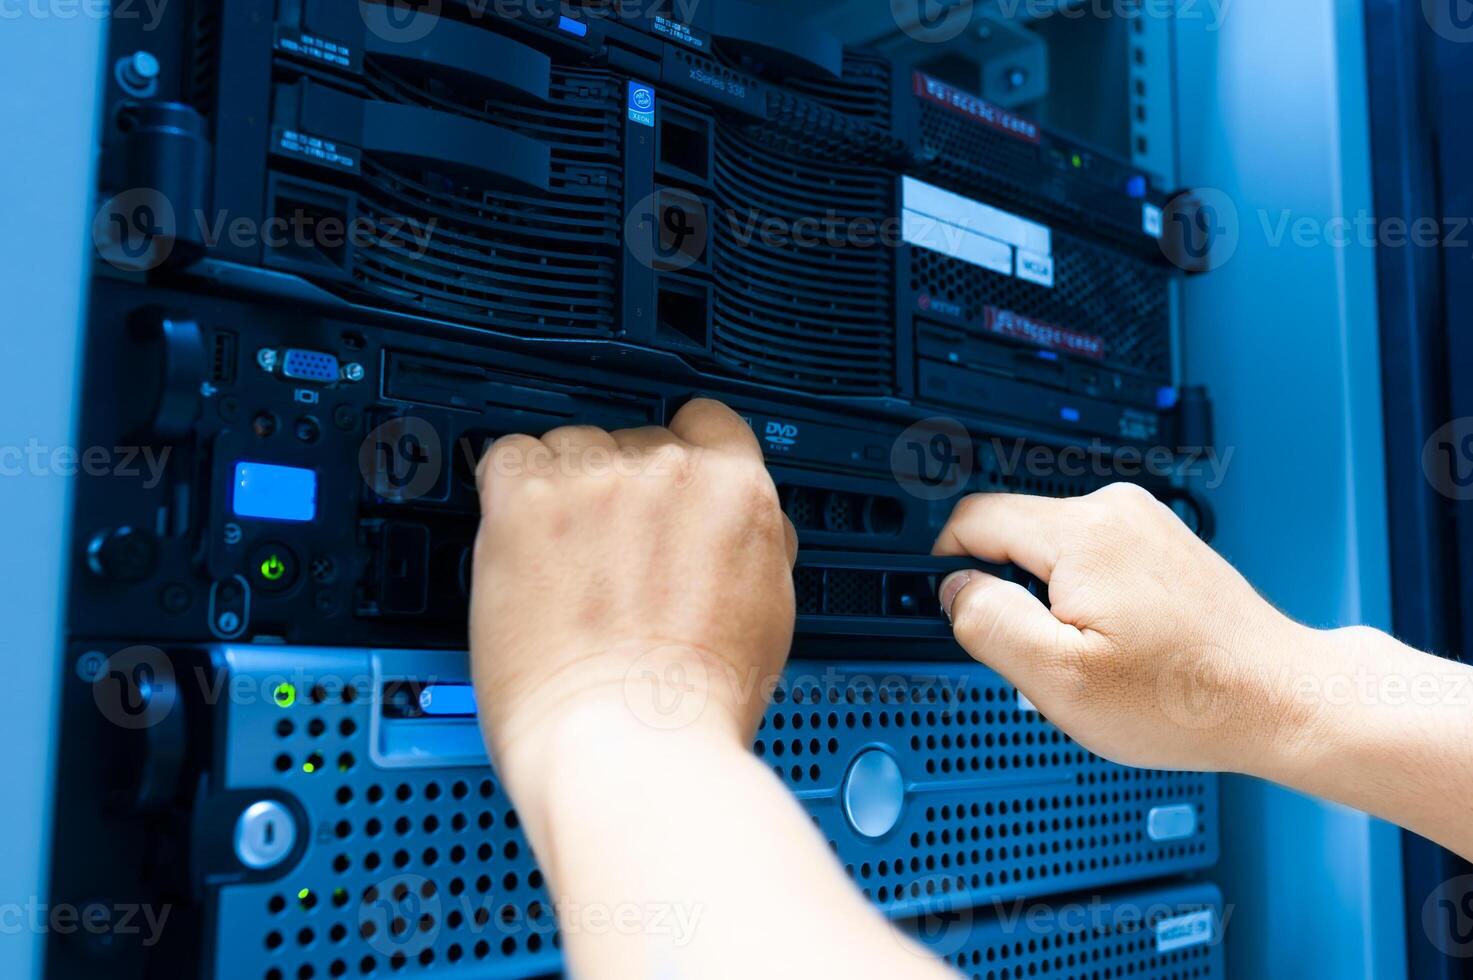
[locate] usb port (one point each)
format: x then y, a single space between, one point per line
310 366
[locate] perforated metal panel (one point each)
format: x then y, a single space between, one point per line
1168 934
409 856
998 803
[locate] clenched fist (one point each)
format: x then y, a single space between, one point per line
643 575
1152 651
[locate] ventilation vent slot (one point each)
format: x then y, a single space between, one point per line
827 588
862 94
809 307
204 57
841 512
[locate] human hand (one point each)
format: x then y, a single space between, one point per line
1153 650
640 578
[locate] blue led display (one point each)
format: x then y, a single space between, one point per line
269 492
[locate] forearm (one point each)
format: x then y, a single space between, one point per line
1382 728
695 861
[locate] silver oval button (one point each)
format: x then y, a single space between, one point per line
874 793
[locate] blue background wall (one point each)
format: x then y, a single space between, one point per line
1272 112
48 85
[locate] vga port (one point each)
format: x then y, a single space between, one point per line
310 366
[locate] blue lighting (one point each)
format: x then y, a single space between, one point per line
1048 355
1166 398
571 26
268 492
1136 188
1069 414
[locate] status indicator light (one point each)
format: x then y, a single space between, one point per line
1077 160
285 695
273 568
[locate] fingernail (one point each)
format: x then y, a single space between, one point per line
950 588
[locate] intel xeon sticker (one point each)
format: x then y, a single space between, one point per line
1184 931
641 104
1152 220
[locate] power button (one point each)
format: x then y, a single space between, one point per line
272 567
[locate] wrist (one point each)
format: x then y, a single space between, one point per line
1277 722
1314 700
610 710
596 756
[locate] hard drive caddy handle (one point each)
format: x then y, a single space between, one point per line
794 43
406 133
461 53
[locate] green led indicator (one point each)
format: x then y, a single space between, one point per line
1078 161
304 894
308 767
285 695
273 568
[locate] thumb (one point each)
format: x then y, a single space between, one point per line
1006 627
